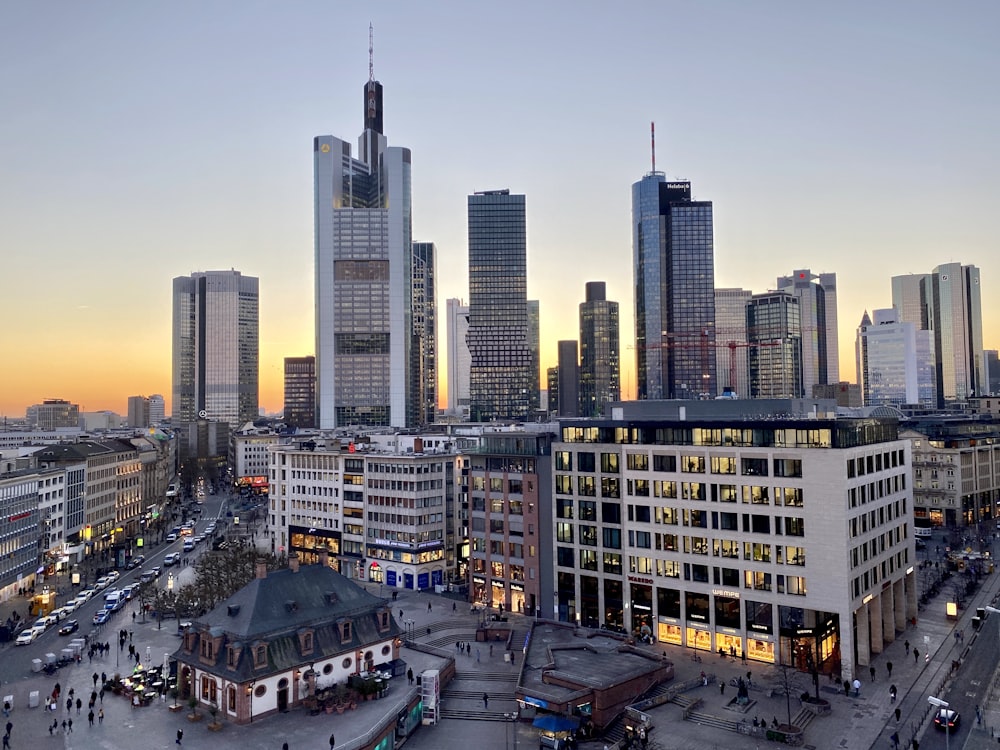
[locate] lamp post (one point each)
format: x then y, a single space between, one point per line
250 697
511 716
935 701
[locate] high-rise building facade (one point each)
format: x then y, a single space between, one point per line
499 345
157 409
600 371
569 378
887 363
775 351
674 276
300 391
364 280
215 347
138 411
731 337
817 295
53 413
948 302
535 348
459 360
423 354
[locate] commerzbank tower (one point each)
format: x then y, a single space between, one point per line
372 348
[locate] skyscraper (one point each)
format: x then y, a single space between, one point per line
423 354
300 391
364 280
569 379
731 333
948 302
157 409
138 411
500 372
600 374
535 348
888 367
215 347
459 360
674 275
817 295
775 352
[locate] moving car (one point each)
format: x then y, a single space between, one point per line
101 616
947 717
102 583
171 537
188 545
113 576
172 559
71 626
27 636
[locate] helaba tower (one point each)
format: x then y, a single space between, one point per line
674 275
364 292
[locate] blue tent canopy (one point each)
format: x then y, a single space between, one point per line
555 723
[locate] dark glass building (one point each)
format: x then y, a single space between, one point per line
423 352
674 272
774 331
300 391
499 347
600 378
569 379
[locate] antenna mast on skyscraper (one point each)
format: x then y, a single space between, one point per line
371 53
652 143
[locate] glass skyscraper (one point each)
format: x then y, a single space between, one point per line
215 347
498 337
600 377
674 274
300 391
731 333
775 352
423 353
817 295
365 370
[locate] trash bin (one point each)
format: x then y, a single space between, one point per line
33 699
36 665
975 623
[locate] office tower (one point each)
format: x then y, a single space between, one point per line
775 352
569 379
423 354
948 301
817 295
731 341
673 267
992 362
157 409
500 372
552 392
886 351
364 280
53 413
215 347
459 360
300 392
535 349
600 375
138 411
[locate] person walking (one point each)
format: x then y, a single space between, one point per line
332 741
888 667
871 671
6 742
284 746
94 676
477 654
428 606
70 722
486 701
79 705
857 688
180 736
90 718
906 645
722 687
916 656
892 693
100 716
898 713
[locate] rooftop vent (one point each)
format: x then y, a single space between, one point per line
232 610
331 597
291 606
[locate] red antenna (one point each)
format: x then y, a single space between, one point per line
652 142
371 53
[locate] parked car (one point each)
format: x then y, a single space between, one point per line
135 562
71 626
947 717
102 583
171 537
28 636
113 576
172 559
101 616
155 570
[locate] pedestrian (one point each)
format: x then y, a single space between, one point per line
486 701
749 683
458 646
133 615
70 722
892 693
95 678
454 606
898 714
6 742
90 718
79 705
69 705
743 656
10 727
871 671
284 746
979 715
409 675
916 656
400 614
428 606
722 687
102 696
847 687
491 649
104 677
894 738
888 667
332 742
477 654
857 687
906 645
180 736
100 716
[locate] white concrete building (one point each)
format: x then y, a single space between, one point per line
772 528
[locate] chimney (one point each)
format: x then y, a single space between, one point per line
293 562
261 569
324 557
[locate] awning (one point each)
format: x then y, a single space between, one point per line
555 723
40 571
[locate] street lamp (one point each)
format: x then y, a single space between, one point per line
935 701
511 716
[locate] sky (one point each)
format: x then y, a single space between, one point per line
144 141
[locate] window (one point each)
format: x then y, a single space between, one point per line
564 484
664 463
757 552
612 563
723 465
585 462
795 555
692 491
564 508
586 486
610 487
787 467
756 494
609 463
637 461
754 467
725 548
564 533
588 535
693 464
588 560
563 460
753 579
795 527
789 496
612 538
588 510
611 513
667 516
